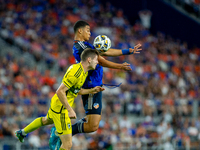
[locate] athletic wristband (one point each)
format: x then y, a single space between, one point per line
125 51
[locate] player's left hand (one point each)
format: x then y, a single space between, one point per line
126 66
97 89
136 49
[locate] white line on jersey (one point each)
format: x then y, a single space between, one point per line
82 45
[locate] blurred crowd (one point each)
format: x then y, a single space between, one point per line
155 100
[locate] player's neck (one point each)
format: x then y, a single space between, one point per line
78 38
85 66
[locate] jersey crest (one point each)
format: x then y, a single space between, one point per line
96 105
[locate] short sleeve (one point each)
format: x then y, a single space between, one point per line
69 79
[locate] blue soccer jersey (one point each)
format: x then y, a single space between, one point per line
94 76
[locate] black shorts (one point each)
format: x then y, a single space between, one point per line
92 103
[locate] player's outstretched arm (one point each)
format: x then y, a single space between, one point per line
61 93
91 91
105 63
119 52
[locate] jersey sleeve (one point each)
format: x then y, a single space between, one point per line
69 79
79 47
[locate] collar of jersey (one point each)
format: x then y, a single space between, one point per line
75 41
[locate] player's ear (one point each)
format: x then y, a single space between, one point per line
89 60
80 30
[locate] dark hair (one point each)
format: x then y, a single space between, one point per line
80 24
88 52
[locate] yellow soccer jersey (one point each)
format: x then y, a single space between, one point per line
73 79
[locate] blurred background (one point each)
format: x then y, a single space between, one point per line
157 105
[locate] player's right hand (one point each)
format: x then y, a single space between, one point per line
72 114
97 89
126 67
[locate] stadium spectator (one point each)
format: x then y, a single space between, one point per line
165 78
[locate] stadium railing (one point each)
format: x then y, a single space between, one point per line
190 8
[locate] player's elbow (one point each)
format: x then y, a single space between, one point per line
59 92
102 63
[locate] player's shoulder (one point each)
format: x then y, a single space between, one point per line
74 67
75 70
89 44
81 45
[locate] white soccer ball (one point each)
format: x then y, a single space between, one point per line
102 43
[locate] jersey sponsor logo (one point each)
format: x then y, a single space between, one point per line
96 105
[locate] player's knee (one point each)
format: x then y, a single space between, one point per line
45 121
94 126
66 145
